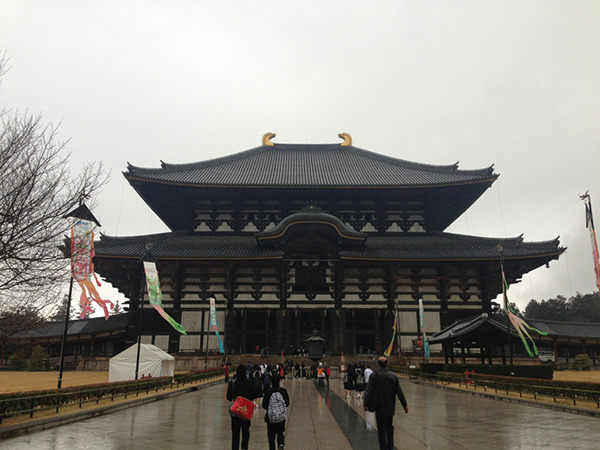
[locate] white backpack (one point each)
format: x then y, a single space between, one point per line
277 408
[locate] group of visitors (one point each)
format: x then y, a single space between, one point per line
356 377
254 382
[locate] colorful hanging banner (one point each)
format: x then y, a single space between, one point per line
589 224
213 322
82 268
426 350
155 295
520 325
388 351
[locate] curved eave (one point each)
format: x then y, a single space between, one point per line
192 258
488 180
551 256
300 219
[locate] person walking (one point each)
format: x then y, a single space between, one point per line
360 382
348 380
368 373
327 373
241 386
320 373
276 401
380 397
226 373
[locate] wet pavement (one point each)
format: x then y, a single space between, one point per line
323 418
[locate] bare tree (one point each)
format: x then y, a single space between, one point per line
37 190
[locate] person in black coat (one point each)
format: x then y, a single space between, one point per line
241 386
385 386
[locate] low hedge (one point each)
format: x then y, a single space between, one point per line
26 402
407 371
569 389
539 372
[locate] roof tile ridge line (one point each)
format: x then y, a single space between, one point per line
555 241
467 237
449 168
141 237
166 167
566 323
518 240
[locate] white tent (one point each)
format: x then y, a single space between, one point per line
154 362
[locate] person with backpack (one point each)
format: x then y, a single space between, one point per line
276 401
360 382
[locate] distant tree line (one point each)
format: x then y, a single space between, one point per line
579 308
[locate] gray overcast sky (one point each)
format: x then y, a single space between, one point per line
510 83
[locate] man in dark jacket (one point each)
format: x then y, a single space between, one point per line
385 385
241 386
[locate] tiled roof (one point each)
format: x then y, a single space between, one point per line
466 326
309 165
437 246
441 246
76 327
567 329
184 245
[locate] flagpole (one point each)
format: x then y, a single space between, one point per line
81 212
510 351
397 326
63 342
146 257
139 327
207 335
589 223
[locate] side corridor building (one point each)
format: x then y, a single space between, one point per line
296 237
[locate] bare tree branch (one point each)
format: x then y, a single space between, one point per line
37 190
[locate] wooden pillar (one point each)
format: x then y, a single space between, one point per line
298 337
462 353
232 343
335 331
323 332
136 284
174 335
342 330
337 285
242 340
283 286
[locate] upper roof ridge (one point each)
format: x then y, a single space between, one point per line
277 147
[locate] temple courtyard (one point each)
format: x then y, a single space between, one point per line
324 418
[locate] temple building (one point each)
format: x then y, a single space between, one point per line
290 238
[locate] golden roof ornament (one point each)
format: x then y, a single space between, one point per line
347 139
266 139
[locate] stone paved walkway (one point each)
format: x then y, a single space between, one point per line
323 418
